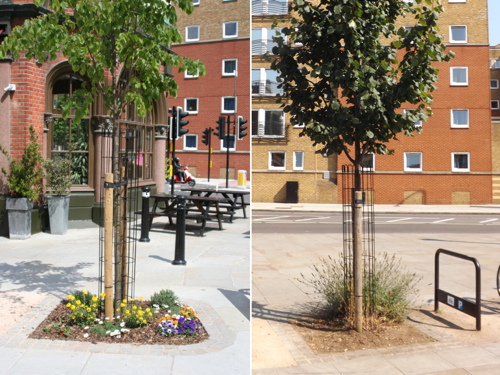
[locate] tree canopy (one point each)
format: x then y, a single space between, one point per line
105 40
346 69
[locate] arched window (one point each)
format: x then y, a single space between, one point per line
140 139
66 138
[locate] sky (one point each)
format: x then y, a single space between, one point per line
494 25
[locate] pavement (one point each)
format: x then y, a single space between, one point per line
215 282
280 262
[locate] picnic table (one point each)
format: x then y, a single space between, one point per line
235 197
199 208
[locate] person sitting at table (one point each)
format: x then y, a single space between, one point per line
178 169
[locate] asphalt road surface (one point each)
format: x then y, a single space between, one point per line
324 222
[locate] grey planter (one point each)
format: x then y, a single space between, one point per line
58 213
19 214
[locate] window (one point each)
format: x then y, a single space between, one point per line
262 41
458 34
191 105
459 76
232 143
229 67
493 84
196 2
268 123
459 118
368 162
457 1
460 162
192 33
265 82
298 160
495 104
228 104
230 29
187 75
269 7
417 124
190 142
413 161
277 160
64 132
497 64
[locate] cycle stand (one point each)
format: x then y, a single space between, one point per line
467 307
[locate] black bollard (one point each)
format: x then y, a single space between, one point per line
145 215
180 232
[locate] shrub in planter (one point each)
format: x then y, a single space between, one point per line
59 181
24 181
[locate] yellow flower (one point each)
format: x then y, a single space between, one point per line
124 301
134 307
78 302
72 307
71 298
102 295
69 304
123 305
118 310
141 298
84 292
89 309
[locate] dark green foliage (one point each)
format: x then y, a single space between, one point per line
25 176
346 69
164 297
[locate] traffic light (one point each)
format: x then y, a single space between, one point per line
241 128
173 123
181 123
221 128
205 138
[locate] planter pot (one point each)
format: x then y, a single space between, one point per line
19 214
58 213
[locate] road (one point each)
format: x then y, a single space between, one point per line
321 222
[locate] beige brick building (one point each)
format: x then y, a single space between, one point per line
453 153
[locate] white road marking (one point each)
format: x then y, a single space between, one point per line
487 221
395 220
271 218
313 218
442 221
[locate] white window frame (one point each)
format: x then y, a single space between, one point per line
233 74
233 137
187 33
271 167
462 126
186 107
196 3
496 64
495 105
223 99
295 166
373 162
494 84
451 33
417 124
191 76
457 1
224 34
185 141
410 169
466 83
453 168
261 122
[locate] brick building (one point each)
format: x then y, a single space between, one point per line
31 93
217 33
450 162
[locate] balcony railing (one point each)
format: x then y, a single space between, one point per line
269 7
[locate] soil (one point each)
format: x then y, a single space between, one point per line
325 336
57 326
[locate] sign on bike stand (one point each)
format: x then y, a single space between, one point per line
467 307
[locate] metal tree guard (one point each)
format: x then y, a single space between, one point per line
125 192
368 233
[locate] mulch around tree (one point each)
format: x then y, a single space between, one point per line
57 326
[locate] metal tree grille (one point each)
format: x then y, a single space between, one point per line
368 233
125 208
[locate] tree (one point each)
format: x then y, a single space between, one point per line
120 47
346 68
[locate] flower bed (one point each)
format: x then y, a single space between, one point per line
136 321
